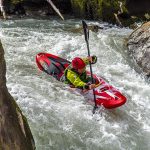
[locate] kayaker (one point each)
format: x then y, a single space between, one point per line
75 74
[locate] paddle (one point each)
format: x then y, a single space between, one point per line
86 34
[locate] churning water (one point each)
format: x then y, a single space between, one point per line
61 119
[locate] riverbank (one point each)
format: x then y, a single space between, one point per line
14 129
121 13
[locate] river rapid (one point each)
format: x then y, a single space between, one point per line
60 119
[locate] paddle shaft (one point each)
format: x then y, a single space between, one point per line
86 33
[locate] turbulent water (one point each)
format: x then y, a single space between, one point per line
61 119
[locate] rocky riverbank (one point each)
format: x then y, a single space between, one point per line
139 47
123 12
15 133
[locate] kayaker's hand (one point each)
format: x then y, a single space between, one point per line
92 59
92 86
85 90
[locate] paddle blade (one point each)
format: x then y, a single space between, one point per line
85 30
94 109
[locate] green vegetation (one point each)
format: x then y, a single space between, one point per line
78 7
97 9
16 1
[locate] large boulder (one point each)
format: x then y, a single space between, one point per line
139 47
15 133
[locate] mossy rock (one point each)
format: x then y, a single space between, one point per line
110 7
89 9
78 7
94 9
16 1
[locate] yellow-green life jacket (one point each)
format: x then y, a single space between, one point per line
76 79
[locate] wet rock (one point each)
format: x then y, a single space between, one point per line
15 133
139 47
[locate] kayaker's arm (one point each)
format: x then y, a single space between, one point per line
76 81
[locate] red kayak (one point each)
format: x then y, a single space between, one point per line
106 95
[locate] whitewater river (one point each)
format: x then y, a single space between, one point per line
60 119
